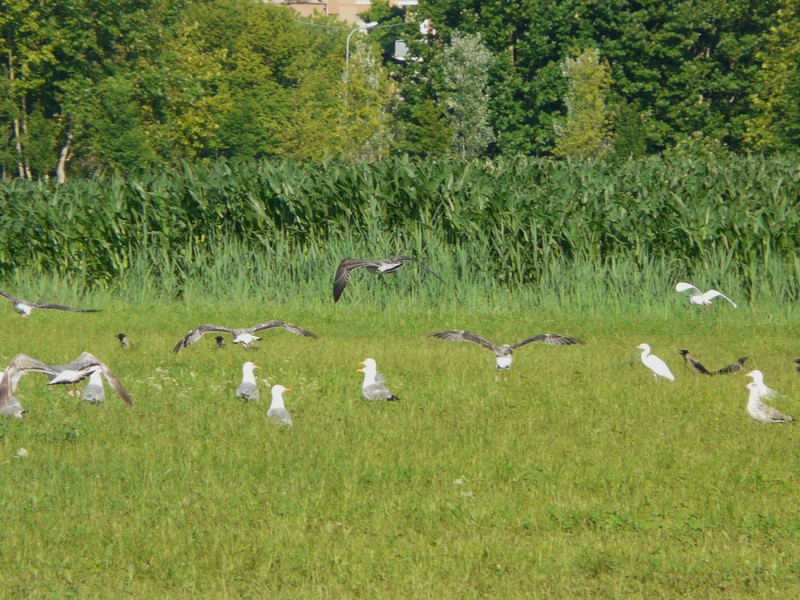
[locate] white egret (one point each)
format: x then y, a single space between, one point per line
655 364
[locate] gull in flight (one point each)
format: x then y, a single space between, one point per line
735 367
248 389
123 340
277 411
243 336
94 391
655 364
11 407
25 308
380 266
504 354
69 374
701 298
372 388
693 363
758 379
760 411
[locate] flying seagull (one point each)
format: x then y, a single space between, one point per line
243 336
655 364
701 298
248 389
94 391
25 308
371 388
277 411
11 407
504 354
380 266
123 340
764 391
693 363
760 411
734 367
71 373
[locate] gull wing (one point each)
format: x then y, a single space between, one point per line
287 326
711 294
196 333
8 296
682 286
343 272
89 363
61 307
459 335
19 365
419 262
553 339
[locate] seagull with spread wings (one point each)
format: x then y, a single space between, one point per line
701 298
243 336
68 374
504 354
380 266
24 307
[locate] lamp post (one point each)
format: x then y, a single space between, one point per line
363 27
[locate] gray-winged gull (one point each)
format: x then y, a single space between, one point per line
94 391
380 266
277 411
25 307
248 388
758 378
372 388
760 411
243 336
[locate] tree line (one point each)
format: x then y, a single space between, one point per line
91 86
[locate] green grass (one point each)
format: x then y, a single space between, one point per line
572 474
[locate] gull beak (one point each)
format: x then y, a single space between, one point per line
360 370
288 390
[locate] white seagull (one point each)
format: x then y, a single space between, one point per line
243 336
380 266
504 354
655 364
372 388
25 307
248 389
71 373
277 411
758 379
760 411
94 391
701 298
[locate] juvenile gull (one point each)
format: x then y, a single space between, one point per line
243 336
372 388
24 307
758 378
71 373
94 391
277 411
380 266
248 389
655 364
701 298
504 354
760 411
693 363
734 367
123 340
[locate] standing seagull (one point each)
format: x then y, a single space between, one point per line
371 388
758 379
655 364
123 340
760 411
735 367
71 373
504 354
277 411
24 307
693 363
701 298
248 389
94 391
243 336
380 266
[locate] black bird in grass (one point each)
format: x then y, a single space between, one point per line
123 340
693 363
735 367
380 266
24 307
220 342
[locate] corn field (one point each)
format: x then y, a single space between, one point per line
506 220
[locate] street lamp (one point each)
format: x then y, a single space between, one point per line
363 27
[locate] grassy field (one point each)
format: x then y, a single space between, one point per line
572 474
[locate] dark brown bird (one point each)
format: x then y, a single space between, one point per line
693 363
735 367
380 266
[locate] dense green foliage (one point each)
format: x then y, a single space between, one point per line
87 87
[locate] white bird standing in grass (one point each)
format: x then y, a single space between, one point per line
701 298
758 379
371 388
655 364
248 388
762 412
94 392
277 411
